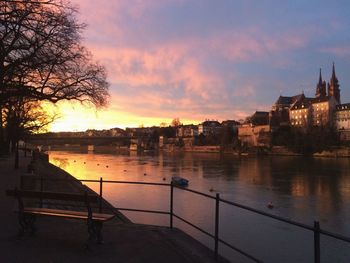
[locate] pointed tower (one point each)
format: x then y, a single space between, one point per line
321 87
333 86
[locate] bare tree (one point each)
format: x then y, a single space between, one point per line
22 119
42 58
176 122
26 118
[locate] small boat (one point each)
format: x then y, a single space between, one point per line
177 180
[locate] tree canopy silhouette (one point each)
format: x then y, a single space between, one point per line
42 58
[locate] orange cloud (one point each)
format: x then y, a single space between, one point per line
168 66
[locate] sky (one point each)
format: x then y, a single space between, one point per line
205 59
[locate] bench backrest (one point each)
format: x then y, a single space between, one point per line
54 195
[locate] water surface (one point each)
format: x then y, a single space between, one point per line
299 188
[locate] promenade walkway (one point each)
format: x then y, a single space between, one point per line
63 240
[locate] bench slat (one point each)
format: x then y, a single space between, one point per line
67 213
53 195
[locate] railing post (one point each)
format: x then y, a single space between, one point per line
171 204
216 248
317 249
100 203
41 190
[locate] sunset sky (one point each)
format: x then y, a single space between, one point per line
205 59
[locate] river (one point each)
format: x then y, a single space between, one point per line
299 188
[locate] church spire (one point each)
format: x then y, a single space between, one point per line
320 87
333 86
334 77
320 78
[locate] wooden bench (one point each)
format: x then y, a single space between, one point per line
27 214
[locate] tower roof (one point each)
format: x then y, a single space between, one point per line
334 77
320 78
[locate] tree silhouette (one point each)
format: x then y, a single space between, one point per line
176 122
42 58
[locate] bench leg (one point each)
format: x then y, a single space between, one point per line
95 231
26 223
99 226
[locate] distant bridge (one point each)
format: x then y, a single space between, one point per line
86 140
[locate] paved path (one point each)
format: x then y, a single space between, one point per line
63 240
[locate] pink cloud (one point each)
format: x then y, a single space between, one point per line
169 66
253 45
177 74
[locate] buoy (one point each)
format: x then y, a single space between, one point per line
164 178
124 170
84 162
74 160
106 166
270 205
144 174
98 164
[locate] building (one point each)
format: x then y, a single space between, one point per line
209 128
187 130
231 124
259 118
117 132
322 110
300 113
333 86
342 121
251 135
304 112
281 108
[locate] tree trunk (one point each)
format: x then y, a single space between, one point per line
2 141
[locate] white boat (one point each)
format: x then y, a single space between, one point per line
177 180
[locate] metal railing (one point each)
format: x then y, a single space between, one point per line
317 231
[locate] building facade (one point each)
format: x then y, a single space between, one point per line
187 131
342 121
209 128
304 112
251 135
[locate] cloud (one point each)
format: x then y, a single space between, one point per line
167 70
178 76
254 45
339 51
166 58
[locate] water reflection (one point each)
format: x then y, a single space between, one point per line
302 189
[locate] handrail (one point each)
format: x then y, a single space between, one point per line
143 210
196 227
279 218
315 228
194 191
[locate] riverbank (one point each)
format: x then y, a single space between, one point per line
335 152
63 240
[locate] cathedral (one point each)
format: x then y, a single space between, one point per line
333 87
301 111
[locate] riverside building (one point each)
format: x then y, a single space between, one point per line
303 112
